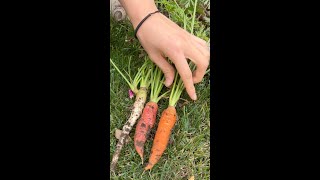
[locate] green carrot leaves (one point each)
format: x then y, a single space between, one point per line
142 77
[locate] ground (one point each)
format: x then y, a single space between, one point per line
188 153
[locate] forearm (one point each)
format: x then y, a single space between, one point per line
138 9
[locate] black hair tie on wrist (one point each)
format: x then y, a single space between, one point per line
136 30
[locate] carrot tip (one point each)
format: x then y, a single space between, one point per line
148 167
141 156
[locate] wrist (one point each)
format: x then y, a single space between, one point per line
142 21
138 17
138 9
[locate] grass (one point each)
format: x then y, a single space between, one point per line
188 153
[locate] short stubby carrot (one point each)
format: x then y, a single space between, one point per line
144 126
161 139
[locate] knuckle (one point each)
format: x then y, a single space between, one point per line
176 46
168 71
177 43
171 70
174 50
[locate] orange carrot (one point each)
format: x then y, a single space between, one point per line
144 126
166 124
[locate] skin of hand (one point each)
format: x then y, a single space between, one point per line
160 38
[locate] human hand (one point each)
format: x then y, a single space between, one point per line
160 37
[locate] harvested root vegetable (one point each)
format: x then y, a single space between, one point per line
160 142
141 77
144 126
149 113
166 124
118 133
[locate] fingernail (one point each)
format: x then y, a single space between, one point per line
167 83
194 96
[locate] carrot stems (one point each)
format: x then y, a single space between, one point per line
176 91
145 79
133 84
156 85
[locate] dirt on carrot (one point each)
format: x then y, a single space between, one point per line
144 126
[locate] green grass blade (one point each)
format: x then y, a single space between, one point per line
114 65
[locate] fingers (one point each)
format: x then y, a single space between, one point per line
199 73
185 73
165 67
200 57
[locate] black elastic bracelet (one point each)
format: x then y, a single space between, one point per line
136 30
